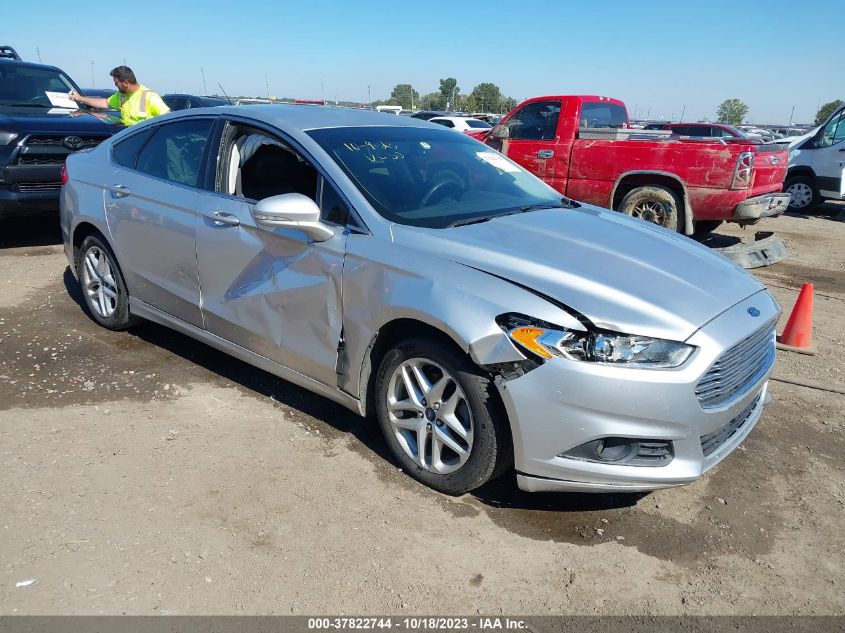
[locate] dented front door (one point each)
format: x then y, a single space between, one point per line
271 291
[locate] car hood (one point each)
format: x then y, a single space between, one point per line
622 274
48 120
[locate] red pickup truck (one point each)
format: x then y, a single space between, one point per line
583 147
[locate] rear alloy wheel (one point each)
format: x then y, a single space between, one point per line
654 204
803 192
103 288
439 416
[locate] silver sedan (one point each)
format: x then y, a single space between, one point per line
418 276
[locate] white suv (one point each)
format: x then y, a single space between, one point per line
816 165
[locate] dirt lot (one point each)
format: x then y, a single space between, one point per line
145 473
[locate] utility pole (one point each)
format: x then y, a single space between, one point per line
791 115
682 112
38 50
369 95
92 74
267 82
322 90
204 89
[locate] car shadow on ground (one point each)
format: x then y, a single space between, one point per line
825 211
35 231
501 493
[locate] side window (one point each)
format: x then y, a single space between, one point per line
175 152
125 153
333 207
535 122
260 166
833 132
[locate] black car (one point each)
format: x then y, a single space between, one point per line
35 137
183 102
425 115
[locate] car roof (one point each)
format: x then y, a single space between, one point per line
287 116
16 62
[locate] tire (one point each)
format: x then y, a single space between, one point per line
101 283
703 227
655 204
461 410
805 195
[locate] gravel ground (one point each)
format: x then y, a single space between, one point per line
147 474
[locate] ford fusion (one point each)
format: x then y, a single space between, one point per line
421 278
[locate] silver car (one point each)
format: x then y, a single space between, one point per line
418 276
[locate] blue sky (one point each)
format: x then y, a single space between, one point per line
657 56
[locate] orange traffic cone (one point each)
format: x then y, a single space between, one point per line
798 334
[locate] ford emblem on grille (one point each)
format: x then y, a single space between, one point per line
754 312
72 142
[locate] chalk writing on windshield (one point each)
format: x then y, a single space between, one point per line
375 152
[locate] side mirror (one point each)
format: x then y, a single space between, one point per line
500 133
292 211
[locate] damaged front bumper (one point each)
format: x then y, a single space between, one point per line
565 404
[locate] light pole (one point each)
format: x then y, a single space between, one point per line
267 82
369 96
322 90
92 74
204 89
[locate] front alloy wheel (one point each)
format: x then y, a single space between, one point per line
430 416
441 415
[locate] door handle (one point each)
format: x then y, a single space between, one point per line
119 191
221 218
545 153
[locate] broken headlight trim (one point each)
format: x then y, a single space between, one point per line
608 348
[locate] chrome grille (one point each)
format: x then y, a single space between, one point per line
30 187
88 140
738 368
42 159
712 441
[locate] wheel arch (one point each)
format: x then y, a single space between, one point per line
630 180
384 339
800 170
82 230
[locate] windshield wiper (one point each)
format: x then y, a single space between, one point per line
565 203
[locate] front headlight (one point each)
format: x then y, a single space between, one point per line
7 137
612 348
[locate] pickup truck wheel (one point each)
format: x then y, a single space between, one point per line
804 194
653 204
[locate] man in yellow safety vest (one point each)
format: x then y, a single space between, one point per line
136 102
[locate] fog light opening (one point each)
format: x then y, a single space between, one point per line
625 451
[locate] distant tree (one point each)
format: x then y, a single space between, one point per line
432 101
826 110
508 104
488 96
732 111
471 104
449 88
405 96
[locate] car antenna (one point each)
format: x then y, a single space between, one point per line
224 93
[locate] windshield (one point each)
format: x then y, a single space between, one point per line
25 85
432 178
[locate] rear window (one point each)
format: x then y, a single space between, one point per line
478 124
603 114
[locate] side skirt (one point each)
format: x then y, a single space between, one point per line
155 315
